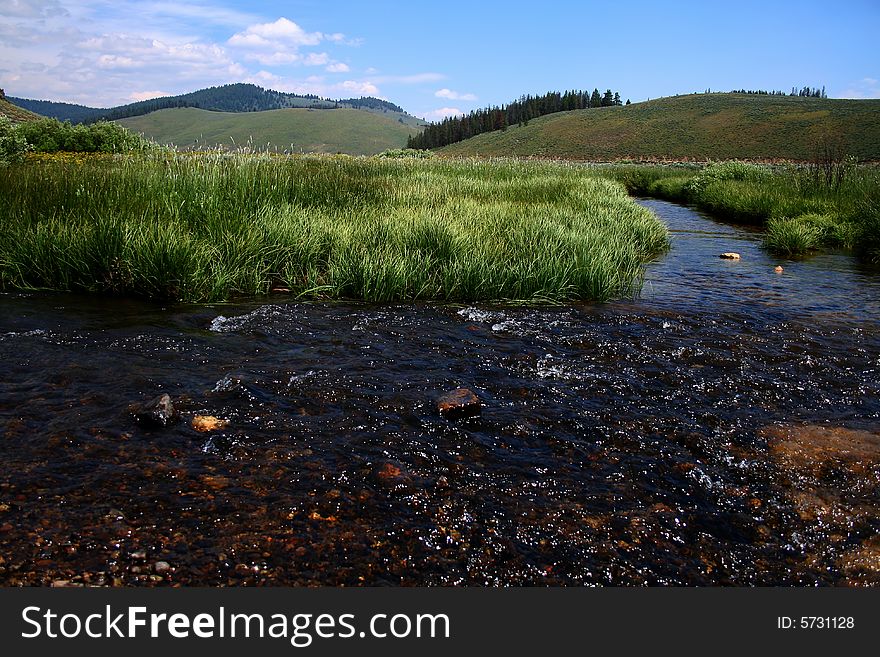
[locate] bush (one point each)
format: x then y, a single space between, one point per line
51 136
403 153
13 145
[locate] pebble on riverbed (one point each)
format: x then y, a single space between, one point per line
155 414
459 403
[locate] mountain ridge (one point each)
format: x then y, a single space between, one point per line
237 97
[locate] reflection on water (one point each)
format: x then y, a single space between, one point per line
640 442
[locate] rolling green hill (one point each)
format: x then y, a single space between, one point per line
355 132
698 126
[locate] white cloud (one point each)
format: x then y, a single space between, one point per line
282 31
864 88
315 84
453 95
359 88
316 59
147 95
101 53
280 43
108 69
116 61
442 113
277 58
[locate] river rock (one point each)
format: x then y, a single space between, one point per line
204 423
459 403
156 414
778 269
810 450
730 255
392 476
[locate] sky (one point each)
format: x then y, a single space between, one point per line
434 59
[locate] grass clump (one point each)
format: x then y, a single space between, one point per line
791 237
207 227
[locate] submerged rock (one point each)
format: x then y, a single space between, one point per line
813 449
778 269
204 423
392 476
730 255
155 414
459 403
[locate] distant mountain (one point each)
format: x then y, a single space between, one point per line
227 98
697 126
344 130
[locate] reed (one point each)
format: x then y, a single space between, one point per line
212 226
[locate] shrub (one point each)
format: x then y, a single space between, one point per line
51 136
13 145
404 153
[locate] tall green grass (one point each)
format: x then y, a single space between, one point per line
801 214
201 228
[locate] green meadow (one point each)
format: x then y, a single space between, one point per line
210 227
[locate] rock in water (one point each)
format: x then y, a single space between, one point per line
393 477
778 269
459 403
205 423
156 414
730 255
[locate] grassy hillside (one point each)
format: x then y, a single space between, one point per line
312 131
701 126
15 113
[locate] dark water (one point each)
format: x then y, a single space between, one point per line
622 444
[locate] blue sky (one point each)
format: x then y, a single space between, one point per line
436 58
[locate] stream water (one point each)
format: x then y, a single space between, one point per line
720 429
